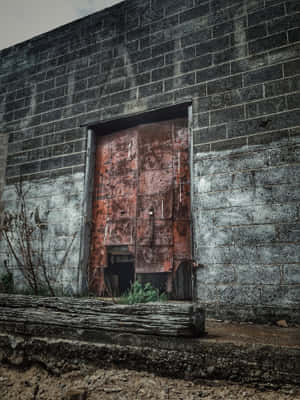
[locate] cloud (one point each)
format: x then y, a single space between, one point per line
22 19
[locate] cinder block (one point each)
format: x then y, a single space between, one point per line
266 107
177 5
266 14
179 55
180 81
196 63
163 73
153 63
263 75
255 32
127 95
258 274
166 47
239 294
209 134
207 293
196 37
281 253
215 274
284 23
150 90
268 43
229 26
294 35
213 73
249 63
291 274
194 13
229 114
225 84
138 33
279 295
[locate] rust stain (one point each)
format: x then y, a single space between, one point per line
142 198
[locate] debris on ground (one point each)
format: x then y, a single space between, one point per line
282 323
36 383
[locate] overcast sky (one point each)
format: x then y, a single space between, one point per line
22 19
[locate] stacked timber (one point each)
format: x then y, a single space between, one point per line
83 318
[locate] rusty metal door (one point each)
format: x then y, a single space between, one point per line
142 200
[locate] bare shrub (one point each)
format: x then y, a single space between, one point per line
24 233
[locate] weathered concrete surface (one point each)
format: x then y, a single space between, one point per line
59 201
3 154
246 353
246 203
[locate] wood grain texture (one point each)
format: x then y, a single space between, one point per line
35 314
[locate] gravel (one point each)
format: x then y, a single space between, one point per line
35 383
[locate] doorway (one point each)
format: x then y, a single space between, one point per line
141 200
119 274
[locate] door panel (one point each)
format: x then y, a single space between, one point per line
155 181
161 234
119 232
154 259
161 202
142 199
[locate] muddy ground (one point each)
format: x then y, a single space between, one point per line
86 384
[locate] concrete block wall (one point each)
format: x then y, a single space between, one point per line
3 155
59 204
247 228
237 62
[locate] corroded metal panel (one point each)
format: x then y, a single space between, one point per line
142 198
162 203
154 259
155 181
159 234
114 202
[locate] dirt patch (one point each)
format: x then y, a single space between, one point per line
238 332
89 384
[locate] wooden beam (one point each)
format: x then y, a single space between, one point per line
19 313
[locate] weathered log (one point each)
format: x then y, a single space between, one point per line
28 313
64 304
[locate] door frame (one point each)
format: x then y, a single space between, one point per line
93 129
